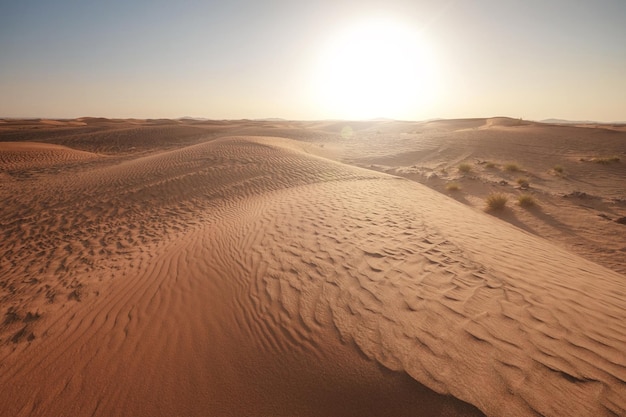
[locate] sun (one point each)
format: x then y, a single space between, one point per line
375 68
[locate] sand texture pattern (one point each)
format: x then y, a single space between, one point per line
228 272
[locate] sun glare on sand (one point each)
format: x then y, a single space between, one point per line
375 68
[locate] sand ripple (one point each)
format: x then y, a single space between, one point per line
161 283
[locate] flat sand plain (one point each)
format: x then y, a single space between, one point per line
332 268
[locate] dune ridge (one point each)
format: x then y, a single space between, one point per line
522 308
20 155
244 275
132 293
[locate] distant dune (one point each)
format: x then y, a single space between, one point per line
331 268
25 156
581 122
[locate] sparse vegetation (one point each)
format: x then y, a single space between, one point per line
496 201
490 165
453 186
606 160
526 200
558 169
512 167
465 168
523 182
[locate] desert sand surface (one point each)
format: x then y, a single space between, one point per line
279 268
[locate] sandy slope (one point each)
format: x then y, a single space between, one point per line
16 156
245 276
431 152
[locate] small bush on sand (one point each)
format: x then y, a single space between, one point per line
558 169
606 160
453 186
496 201
512 167
490 165
523 182
465 168
526 200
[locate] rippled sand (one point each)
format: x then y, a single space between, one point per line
252 268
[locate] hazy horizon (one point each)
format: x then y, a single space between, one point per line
406 60
281 119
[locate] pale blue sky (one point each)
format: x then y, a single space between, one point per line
253 59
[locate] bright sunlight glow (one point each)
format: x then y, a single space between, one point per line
376 68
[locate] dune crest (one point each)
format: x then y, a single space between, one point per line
245 275
409 283
28 155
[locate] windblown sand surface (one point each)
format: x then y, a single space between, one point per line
209 268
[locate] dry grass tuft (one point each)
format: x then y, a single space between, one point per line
526 200
496 201
490 165
558 168
453 186
512 167
523 182
465 168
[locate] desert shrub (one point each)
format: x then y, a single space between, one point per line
523 182
558 168
490 165
453 186
465 168
526 200
512 167
496 201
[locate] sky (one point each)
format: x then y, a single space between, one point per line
339 59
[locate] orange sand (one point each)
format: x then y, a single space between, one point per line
162 268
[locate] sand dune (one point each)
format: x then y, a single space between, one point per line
222 274
15 156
